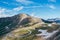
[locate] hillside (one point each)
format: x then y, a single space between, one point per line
25 27
10 23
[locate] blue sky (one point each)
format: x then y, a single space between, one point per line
38 8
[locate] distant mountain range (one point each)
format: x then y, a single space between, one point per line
57 20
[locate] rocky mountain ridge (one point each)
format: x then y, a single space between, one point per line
23 27
16 21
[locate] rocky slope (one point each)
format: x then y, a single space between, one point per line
25 27
10 23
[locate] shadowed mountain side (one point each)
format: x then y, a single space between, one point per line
10 23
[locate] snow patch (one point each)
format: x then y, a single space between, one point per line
46 34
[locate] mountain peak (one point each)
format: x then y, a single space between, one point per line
22 15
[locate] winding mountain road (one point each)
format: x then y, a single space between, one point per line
11 35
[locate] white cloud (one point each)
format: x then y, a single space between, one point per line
5 2
34 6
7 13
32 14
18 8
25 2
52 6
2 12
52 0
3 15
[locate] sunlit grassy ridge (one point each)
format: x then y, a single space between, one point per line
19 32
26 27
